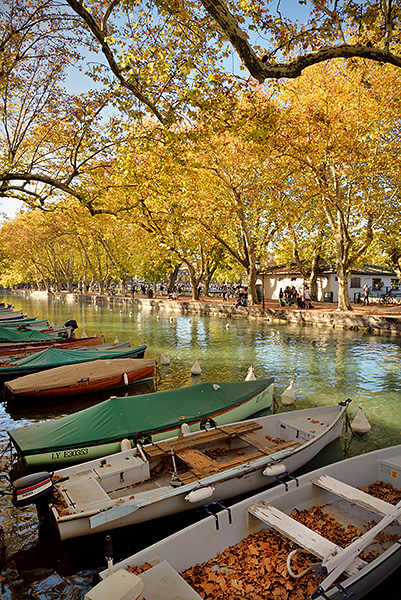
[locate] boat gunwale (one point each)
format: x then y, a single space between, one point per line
224 474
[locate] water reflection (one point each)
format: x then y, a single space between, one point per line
327 366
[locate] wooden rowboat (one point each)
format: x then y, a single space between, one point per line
184 472
277 542
23 349
84 378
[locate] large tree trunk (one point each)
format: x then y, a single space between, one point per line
172 280
252 292
315 270
195 281
395 257
343 295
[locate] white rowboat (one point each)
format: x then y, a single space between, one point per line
174 475
334 490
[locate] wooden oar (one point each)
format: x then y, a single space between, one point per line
337 563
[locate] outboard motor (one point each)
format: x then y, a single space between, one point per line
33 489
71 325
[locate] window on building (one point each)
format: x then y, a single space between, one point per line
355 282
377 284
395 284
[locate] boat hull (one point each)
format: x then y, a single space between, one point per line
237 412
23 349
17 315
244 478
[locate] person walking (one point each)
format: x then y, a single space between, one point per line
224 290
307 297
366 294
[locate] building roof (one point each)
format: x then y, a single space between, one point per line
370 270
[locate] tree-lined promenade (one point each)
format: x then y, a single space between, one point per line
174 161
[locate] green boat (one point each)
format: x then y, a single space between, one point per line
56 357
11 335
99 430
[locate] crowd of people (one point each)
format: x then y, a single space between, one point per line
290 295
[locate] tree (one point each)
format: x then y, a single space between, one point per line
304 238
229 181
333 128
52 143
166 57
161 53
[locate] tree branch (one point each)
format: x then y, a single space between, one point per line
261 69
99 34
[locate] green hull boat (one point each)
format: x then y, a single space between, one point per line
98 430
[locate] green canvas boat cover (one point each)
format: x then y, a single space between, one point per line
33 335
56 357
118 418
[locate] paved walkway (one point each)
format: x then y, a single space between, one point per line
373 308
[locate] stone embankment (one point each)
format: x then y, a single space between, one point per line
373 318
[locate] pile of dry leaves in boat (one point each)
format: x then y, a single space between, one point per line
257 567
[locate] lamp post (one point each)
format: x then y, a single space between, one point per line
260 281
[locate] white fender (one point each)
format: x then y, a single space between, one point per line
195 369
288 396
125 378
250 375
360 424
125 445
164 360
199 494
185 429
273 470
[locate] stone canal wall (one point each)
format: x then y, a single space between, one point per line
374 321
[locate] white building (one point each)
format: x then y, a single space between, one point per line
379 280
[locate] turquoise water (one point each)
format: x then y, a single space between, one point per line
327 366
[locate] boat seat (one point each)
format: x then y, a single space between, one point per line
300 534
191 475
264 445
217 434
198 461
87 493
348 492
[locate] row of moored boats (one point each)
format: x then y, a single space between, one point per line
132 459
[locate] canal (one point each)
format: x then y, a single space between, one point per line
326 365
